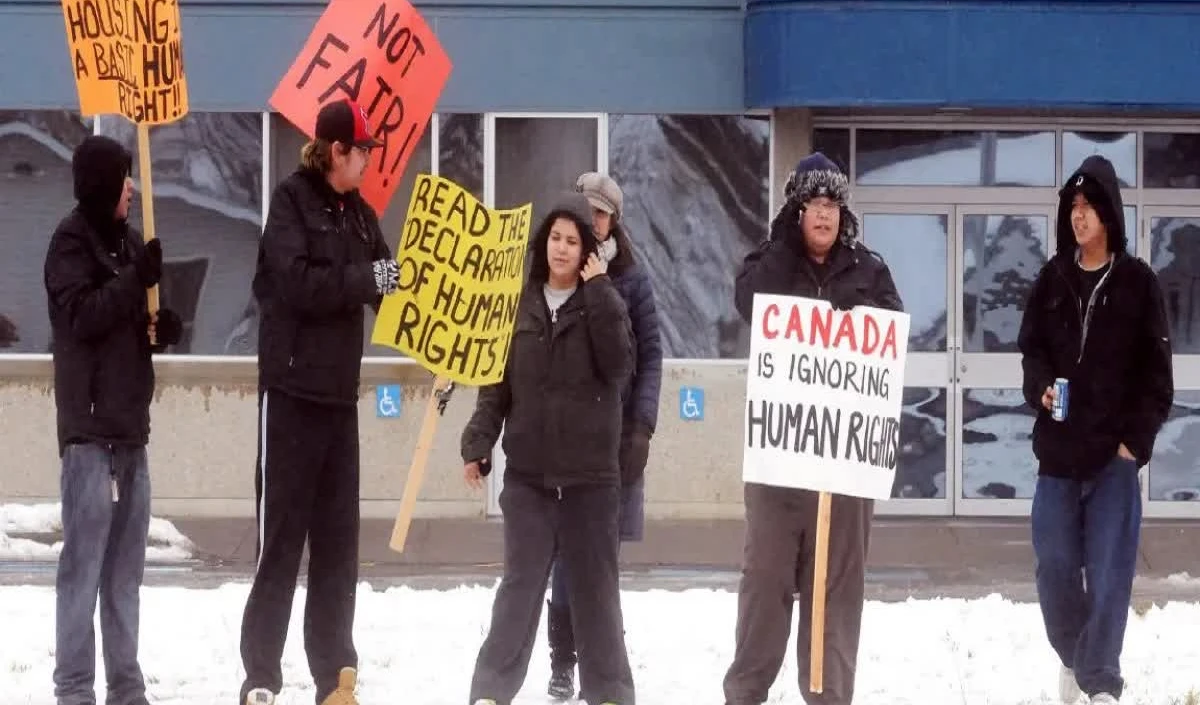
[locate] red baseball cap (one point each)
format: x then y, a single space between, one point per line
345 121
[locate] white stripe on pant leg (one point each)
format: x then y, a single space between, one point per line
262 472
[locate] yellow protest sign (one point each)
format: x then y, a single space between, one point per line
127 57
461 270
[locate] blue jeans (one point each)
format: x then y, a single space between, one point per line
103 555
1085 540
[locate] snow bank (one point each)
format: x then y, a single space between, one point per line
420 646
34 532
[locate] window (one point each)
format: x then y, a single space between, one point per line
1120 148
889 157
183 284
1172 160
206 178
696 202
540 157
1175 257
915 247
833 143
36 191
460 150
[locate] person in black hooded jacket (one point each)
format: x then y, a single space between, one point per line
1096 317
812 251
96 273
559 404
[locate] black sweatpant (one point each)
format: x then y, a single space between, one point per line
306 483
781 527
581 524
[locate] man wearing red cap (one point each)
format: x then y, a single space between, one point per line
321 260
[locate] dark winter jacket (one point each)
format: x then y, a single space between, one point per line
633 283
103 373
1114 348
560 401
314 276
853 275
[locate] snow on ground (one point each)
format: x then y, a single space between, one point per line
44 522
418 646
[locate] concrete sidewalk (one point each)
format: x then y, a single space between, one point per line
909 557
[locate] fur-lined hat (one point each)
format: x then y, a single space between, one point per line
817 176
814 176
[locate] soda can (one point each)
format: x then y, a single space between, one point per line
1061 400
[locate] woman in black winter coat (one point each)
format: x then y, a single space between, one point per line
560 405
641 407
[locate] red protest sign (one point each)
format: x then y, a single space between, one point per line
381 54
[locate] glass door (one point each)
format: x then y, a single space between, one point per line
999 251
1172 480
914 240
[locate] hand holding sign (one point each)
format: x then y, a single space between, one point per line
381 54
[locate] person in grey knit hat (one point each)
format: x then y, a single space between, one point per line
812 251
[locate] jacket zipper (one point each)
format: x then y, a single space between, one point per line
821 284
1085 319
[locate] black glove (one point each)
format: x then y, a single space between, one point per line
387 275
847 300
149 263
786 228
633 454
8 332
168 327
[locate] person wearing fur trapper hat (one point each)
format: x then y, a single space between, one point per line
812 251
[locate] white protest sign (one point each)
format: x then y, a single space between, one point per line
823 396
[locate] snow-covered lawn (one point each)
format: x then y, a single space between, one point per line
34 532
418 647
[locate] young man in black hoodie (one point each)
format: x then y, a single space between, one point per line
1095 317
97 271
322 259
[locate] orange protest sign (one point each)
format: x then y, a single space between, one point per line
381 54
127 57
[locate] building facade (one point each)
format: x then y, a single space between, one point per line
956 122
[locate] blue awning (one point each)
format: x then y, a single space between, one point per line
1017 54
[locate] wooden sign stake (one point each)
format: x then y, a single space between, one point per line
439 396
816 660
143 138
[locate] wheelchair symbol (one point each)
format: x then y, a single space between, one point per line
691 404
387 401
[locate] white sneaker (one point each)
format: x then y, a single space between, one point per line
260 696
1068 687
1103 699
485 701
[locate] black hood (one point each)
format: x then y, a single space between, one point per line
1097 180
99 166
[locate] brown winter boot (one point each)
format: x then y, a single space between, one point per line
344 693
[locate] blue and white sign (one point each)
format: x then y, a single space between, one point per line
691 403
387 401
